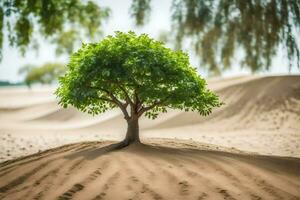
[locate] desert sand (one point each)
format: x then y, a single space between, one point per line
247 149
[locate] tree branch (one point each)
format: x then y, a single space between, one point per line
118 84
129 101
116 101
145 109
106 99
137 101
125 104
126 95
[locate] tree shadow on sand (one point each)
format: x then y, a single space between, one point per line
287 164
92 153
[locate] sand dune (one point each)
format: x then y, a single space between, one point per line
19 97
247 149
60 115
262 103
86 171
255 107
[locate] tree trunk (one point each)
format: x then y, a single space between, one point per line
132 135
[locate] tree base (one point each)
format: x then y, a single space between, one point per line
123 144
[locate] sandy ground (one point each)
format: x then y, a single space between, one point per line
87 171
247 149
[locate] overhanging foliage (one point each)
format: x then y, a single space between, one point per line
219 29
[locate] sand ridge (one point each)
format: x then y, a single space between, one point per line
156 171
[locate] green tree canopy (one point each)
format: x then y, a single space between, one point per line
45 74
62 22
219 29
136 74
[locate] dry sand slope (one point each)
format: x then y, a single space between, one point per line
261 115
87 171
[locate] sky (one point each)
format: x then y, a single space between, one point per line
119 21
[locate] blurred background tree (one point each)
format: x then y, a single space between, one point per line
46 74
217 30
64 23
140 11
218 33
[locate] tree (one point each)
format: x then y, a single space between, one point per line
136 74
140 11
222 29
45 74
63 22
